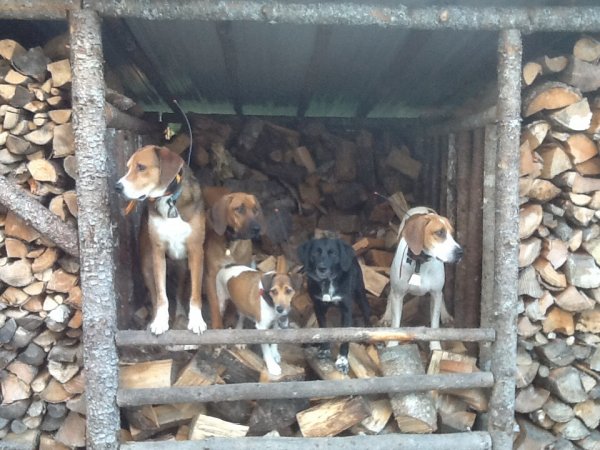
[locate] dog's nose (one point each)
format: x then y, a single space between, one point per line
459 252
279 309
119 187
255 228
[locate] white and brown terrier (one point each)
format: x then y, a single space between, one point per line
426 243
173 227
264 298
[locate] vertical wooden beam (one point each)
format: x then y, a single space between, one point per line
95 232
419 190
129 285
472 297
451 215
435 171
504 350
443 155
487 257
463 175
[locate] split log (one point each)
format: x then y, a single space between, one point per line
550 95
204 426
413 412
332 417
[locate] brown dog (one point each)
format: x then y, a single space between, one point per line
173 226
232 222
264 298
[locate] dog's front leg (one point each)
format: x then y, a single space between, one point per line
320 312
160 324
196 322
341 363
437 300
272 365
211 292
395 303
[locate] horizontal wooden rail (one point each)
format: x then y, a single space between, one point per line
476 440
131 338
303 389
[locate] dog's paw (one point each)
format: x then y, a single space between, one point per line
241 346
276 355
324 353
342 365
196 323
391 343
273 368
447 319
160 324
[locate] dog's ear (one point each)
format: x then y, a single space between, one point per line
170 165
346 255
218 214
267 281
304 253
297 280
414 231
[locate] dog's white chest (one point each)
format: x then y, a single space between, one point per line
330 295
172 233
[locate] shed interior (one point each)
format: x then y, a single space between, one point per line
381 90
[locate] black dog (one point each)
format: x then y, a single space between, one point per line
334 278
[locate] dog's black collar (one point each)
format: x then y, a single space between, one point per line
172 194
418 259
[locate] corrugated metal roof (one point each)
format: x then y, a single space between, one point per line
275 69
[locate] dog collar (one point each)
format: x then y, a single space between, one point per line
173 191
417 259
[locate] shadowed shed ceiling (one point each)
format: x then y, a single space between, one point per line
256 68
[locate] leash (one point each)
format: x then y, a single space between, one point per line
189 128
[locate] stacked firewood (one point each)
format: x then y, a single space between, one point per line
558 396
41 380
311 180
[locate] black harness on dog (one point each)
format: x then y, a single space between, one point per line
417 259
173 193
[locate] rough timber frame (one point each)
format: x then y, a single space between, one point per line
95 235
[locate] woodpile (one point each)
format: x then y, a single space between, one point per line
42 384
558 395
310 180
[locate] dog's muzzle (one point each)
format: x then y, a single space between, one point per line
283 320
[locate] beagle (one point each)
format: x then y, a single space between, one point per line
426 243
264 298
232 222
173 227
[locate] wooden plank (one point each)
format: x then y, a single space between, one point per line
475 440
133 338
303 389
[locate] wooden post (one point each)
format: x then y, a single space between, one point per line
95 232
128 281
450 269
463 175
487 257
443 175
504 350
435 171
472 261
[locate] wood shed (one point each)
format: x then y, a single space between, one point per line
338 116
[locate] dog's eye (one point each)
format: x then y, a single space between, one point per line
273 291
288 291
141 167
441 233
240 209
